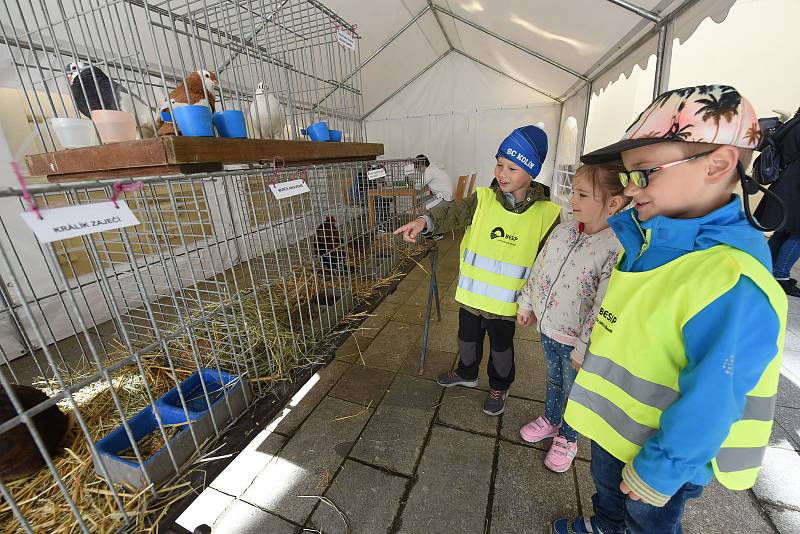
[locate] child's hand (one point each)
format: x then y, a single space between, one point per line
627 491
574 360
411 230
524 319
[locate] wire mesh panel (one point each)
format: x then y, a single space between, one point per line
154 338
278 61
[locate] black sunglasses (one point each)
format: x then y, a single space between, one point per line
641 177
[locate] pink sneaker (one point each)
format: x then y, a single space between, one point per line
537 430
561 454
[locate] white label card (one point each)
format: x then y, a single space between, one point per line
73 221
408 169
346 39
376 173
289 189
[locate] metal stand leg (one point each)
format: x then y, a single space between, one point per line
433 293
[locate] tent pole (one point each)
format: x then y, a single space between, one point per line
509 42
501 73
662 44
409 82
586 116
375 53
439 22
642 12
664 58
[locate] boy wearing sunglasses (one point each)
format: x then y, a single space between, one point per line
679 382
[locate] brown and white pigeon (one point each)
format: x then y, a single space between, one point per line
190 92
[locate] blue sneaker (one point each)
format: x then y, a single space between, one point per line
579 525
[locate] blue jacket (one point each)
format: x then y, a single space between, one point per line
741 322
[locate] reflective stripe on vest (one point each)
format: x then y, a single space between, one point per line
498 250
482 288
496 266
630 375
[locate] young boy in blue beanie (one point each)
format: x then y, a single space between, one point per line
506 224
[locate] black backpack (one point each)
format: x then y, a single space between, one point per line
772 161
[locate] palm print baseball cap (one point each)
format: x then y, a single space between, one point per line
715 114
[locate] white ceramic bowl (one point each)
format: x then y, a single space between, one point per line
73 133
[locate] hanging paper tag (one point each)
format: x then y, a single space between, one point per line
73 221
346 39
408 169
289 189
376 173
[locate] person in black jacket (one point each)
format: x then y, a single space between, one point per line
785 242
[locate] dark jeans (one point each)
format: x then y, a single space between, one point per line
785 249
614 512
560 377
471 331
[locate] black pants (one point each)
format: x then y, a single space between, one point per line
471 331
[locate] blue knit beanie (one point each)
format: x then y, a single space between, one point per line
526 147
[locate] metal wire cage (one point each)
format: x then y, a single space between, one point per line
278 61
219 293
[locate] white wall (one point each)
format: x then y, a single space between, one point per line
753 49
457 114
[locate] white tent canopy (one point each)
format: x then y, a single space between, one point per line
450 78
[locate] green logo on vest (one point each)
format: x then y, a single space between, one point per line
498 232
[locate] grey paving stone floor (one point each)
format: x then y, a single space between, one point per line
371 445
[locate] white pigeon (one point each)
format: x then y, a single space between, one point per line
265 117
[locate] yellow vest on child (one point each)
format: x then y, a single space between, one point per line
630 376
498 251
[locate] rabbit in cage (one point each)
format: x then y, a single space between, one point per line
92 90
197 89
19 454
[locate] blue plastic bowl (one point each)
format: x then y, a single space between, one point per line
230 123
165 116
194 121
336 136
319 131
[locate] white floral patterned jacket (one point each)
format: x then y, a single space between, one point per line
567 283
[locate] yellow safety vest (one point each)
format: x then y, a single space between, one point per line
636 355
498 250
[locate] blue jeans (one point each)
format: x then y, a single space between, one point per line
614 512
560 377
785 249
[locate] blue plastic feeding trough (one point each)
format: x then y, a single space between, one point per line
158 465
192 390
203 412
336 136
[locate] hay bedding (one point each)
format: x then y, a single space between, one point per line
272 353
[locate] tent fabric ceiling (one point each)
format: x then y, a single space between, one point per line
588 37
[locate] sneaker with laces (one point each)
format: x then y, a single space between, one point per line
495 402
790 287
578 525
537 430
562 452
451 378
